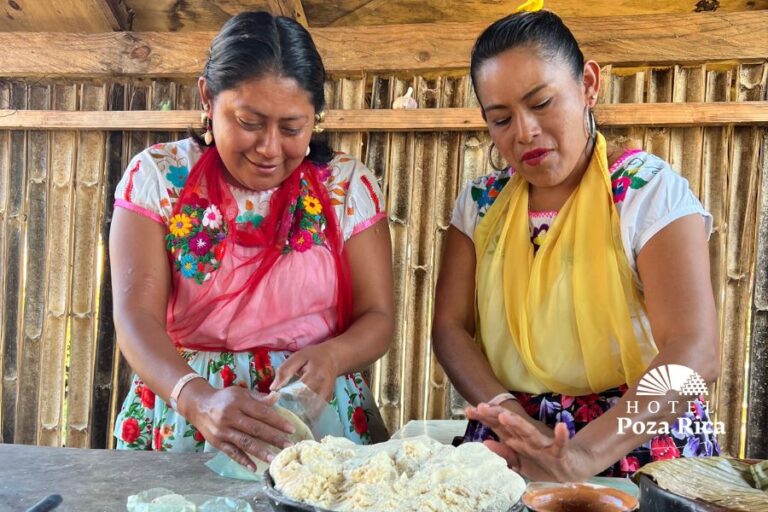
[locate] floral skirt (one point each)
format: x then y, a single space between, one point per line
146 422
691 436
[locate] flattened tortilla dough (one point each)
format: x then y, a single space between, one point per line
416 474
302 433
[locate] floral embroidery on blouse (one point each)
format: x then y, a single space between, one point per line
628 176
177 175
174 166
309 221
537 235
195 239
250 216
633 173
331 176
196 235
484 193
357 415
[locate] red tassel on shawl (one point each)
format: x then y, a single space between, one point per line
206 179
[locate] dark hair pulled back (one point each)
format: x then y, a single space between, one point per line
543 31
251 45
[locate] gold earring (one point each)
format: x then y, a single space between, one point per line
207 126
319 118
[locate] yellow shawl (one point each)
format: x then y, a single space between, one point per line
569 318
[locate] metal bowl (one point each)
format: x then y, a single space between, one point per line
281 503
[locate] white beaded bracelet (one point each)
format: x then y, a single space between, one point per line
173 400
501 398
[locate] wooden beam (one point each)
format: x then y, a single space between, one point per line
61 15
115 12
188 15
437 119
636 40
348 13
289 8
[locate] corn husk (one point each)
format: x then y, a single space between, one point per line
759 473
716 480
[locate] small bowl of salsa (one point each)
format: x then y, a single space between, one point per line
577 497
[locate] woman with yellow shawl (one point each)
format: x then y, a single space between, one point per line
571 274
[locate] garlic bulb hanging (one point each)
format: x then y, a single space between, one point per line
405 101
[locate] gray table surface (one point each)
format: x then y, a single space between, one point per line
102 480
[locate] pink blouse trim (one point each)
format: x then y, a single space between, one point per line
623 158
536 215
368 223
122 203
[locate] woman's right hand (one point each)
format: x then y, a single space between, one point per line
488 415
235 420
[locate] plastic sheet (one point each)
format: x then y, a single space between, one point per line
162 500
442 431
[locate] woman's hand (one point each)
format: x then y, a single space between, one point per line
491 418
535 453
315 365
236 421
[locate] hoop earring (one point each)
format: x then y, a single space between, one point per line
491 161
590 126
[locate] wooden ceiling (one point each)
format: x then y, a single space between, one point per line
208 15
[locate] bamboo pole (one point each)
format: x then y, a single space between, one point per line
162 98
104 400
757 414
385 370
347 94
659 87
714 195
687 144
187 98
473 159
14 258
423 229
472 162
377 147
58 255
743 183
421 170
627 86
87 220
454 94
136 98
5 184
38 152
751 84
399 205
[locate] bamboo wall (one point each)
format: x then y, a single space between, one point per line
62 378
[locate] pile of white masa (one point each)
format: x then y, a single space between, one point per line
416 474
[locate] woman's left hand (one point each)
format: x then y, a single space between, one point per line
531 453
314 365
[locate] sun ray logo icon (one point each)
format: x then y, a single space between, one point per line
672 377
